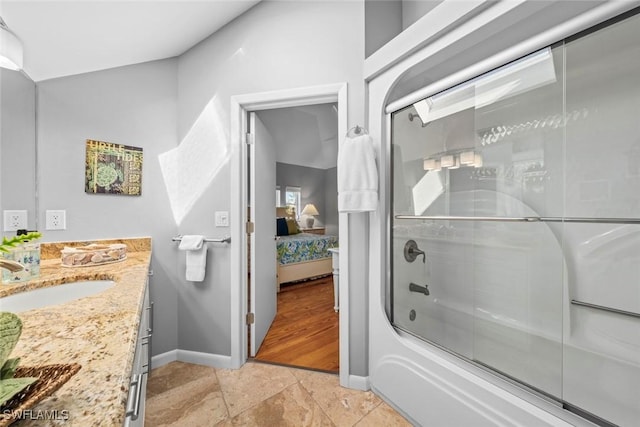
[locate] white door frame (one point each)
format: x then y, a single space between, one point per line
240 106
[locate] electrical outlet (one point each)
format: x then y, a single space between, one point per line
56 220
15 220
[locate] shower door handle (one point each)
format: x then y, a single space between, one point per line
420 289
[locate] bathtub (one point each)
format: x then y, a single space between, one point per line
459 348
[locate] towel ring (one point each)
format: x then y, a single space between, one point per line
357 130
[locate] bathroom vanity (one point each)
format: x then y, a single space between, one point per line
108 334
141 366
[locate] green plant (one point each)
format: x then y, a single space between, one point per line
10 330
13 242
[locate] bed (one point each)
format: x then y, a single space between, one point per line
302 255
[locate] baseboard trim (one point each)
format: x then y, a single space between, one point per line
164 358
359 383
196 357
225 362
206 359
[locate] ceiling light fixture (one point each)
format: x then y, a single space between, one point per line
467 157
447 161
477 161
10 48
430 164
456 163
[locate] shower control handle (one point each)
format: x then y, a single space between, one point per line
420 289
411 252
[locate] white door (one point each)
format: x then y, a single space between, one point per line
262 187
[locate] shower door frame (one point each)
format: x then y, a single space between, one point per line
403 369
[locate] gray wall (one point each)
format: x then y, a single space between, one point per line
134 105
412 10
383 21
275 45
318 186
154 105
17 144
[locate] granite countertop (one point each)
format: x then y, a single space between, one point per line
99 332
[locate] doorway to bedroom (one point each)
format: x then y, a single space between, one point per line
292 188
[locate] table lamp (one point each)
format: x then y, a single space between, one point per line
311 211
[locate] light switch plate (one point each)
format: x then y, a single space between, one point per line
15 220
56 220
222 219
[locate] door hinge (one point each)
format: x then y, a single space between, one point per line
249 138
250 318
250 227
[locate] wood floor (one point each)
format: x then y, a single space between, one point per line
305 330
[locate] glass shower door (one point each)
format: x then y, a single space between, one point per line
602 343
472 166
515 221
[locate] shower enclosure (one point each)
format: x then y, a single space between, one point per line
515 222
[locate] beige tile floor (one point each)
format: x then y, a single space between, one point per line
183 394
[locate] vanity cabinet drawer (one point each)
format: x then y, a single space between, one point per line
141 367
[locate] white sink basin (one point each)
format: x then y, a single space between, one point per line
53 295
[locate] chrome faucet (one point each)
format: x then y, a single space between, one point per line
411 252
420 289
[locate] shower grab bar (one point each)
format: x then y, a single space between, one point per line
603 308
523 219
223 240
592 220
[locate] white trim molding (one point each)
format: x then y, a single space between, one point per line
207 359
196 357
359 383
240 106
543 39
426 29
451 21
164 358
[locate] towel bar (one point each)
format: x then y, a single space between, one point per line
603 308
223 240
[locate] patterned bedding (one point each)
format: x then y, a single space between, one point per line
304 247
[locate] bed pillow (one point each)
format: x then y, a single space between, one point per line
281 227
292 226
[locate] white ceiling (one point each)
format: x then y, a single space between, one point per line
305 136
63 38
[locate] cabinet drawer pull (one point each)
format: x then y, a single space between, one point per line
133 389
148 343
150 310
136 403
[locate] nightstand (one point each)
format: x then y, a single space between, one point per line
314 230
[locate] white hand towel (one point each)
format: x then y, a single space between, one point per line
191 242
196 257
357 175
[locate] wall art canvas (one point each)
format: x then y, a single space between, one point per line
113 169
